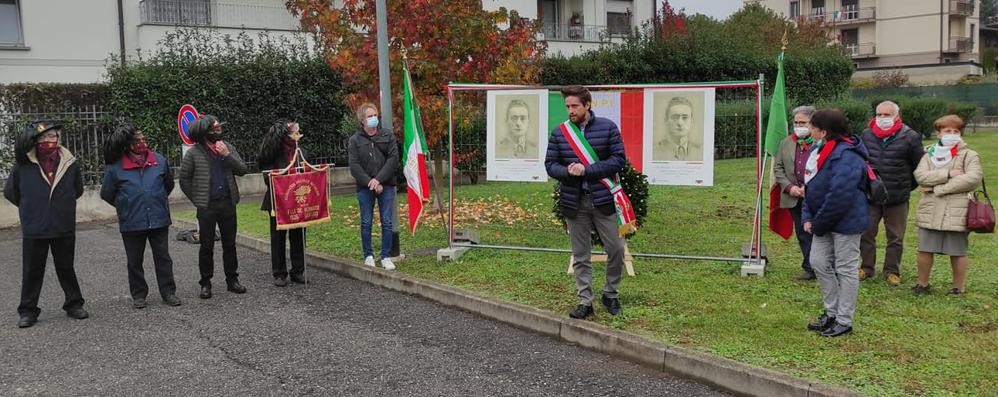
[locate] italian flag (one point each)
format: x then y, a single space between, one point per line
413 153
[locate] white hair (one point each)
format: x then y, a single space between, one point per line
806 110
894 106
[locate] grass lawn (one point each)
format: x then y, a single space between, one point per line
902 344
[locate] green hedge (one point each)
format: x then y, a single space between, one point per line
246 82
918 113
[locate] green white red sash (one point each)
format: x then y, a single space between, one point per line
626 222
941 155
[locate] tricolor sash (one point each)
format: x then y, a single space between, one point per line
626 222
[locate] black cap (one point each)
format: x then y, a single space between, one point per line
39 127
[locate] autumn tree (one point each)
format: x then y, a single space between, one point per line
445 40
669 22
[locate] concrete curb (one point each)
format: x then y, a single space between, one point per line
723 373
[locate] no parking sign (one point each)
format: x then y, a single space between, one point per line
185 117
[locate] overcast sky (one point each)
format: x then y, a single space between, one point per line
719 9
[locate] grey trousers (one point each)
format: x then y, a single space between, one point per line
579 229
835 260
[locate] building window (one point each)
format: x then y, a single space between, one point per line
176 12
618 23
818 8
10 24
794 9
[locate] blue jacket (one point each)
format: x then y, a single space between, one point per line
139 193
835 199
46 210
604 138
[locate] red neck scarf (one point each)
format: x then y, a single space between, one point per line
131 161
883 134
210 147
48 158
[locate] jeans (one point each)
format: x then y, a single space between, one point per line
365 198
221 213
135 249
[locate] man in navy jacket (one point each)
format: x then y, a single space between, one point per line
585 201
138 182
44 185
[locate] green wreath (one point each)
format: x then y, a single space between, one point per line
635 185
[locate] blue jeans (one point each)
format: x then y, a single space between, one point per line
365 198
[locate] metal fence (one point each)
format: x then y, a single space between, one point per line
985 96
216 14
86 128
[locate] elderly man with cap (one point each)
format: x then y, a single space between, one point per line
44 185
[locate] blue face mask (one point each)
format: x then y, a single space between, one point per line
372 122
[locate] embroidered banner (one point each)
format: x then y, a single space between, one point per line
300 199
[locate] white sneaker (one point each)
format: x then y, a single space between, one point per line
387 264
369 261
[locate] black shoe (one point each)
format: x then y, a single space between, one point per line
955 291
921 289
581 312
281 281
234 286
822 323
837 330
205 292
77 313
27 321
139 303
612 305
172 300
804 276
298 279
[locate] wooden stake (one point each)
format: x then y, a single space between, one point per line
628 261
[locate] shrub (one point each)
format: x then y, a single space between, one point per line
246 82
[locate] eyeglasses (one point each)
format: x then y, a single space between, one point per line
49 136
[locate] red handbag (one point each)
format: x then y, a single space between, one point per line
980 215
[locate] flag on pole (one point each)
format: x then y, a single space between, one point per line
413 153
780 220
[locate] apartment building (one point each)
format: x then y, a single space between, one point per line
931 40
71 40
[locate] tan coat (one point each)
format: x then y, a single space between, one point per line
943 205
783 171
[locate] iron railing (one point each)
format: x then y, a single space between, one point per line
962 7
215 14
859 50
960 45
565 32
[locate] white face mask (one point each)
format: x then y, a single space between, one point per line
802 132
885 122
372 122
950 139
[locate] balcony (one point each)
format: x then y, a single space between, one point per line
962 7
213 14
564 32
854 14
959 45
861 50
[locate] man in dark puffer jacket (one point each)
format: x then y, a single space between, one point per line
585 201
895 150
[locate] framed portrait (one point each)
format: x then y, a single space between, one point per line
679 136
516 141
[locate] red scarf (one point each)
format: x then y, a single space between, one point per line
48 158
131 161
210 147
883 134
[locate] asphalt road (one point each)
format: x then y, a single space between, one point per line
335 337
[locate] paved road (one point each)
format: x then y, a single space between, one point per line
337 337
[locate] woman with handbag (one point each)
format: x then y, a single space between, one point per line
946 176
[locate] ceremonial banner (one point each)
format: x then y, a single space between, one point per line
300 198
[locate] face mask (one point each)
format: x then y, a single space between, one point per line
885 122
46 148
372 122
140 147
802 132
950 139
214 138
819 142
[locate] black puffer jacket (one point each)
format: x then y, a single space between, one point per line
896 159
46 210
373 157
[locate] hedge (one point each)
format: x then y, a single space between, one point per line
246 82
